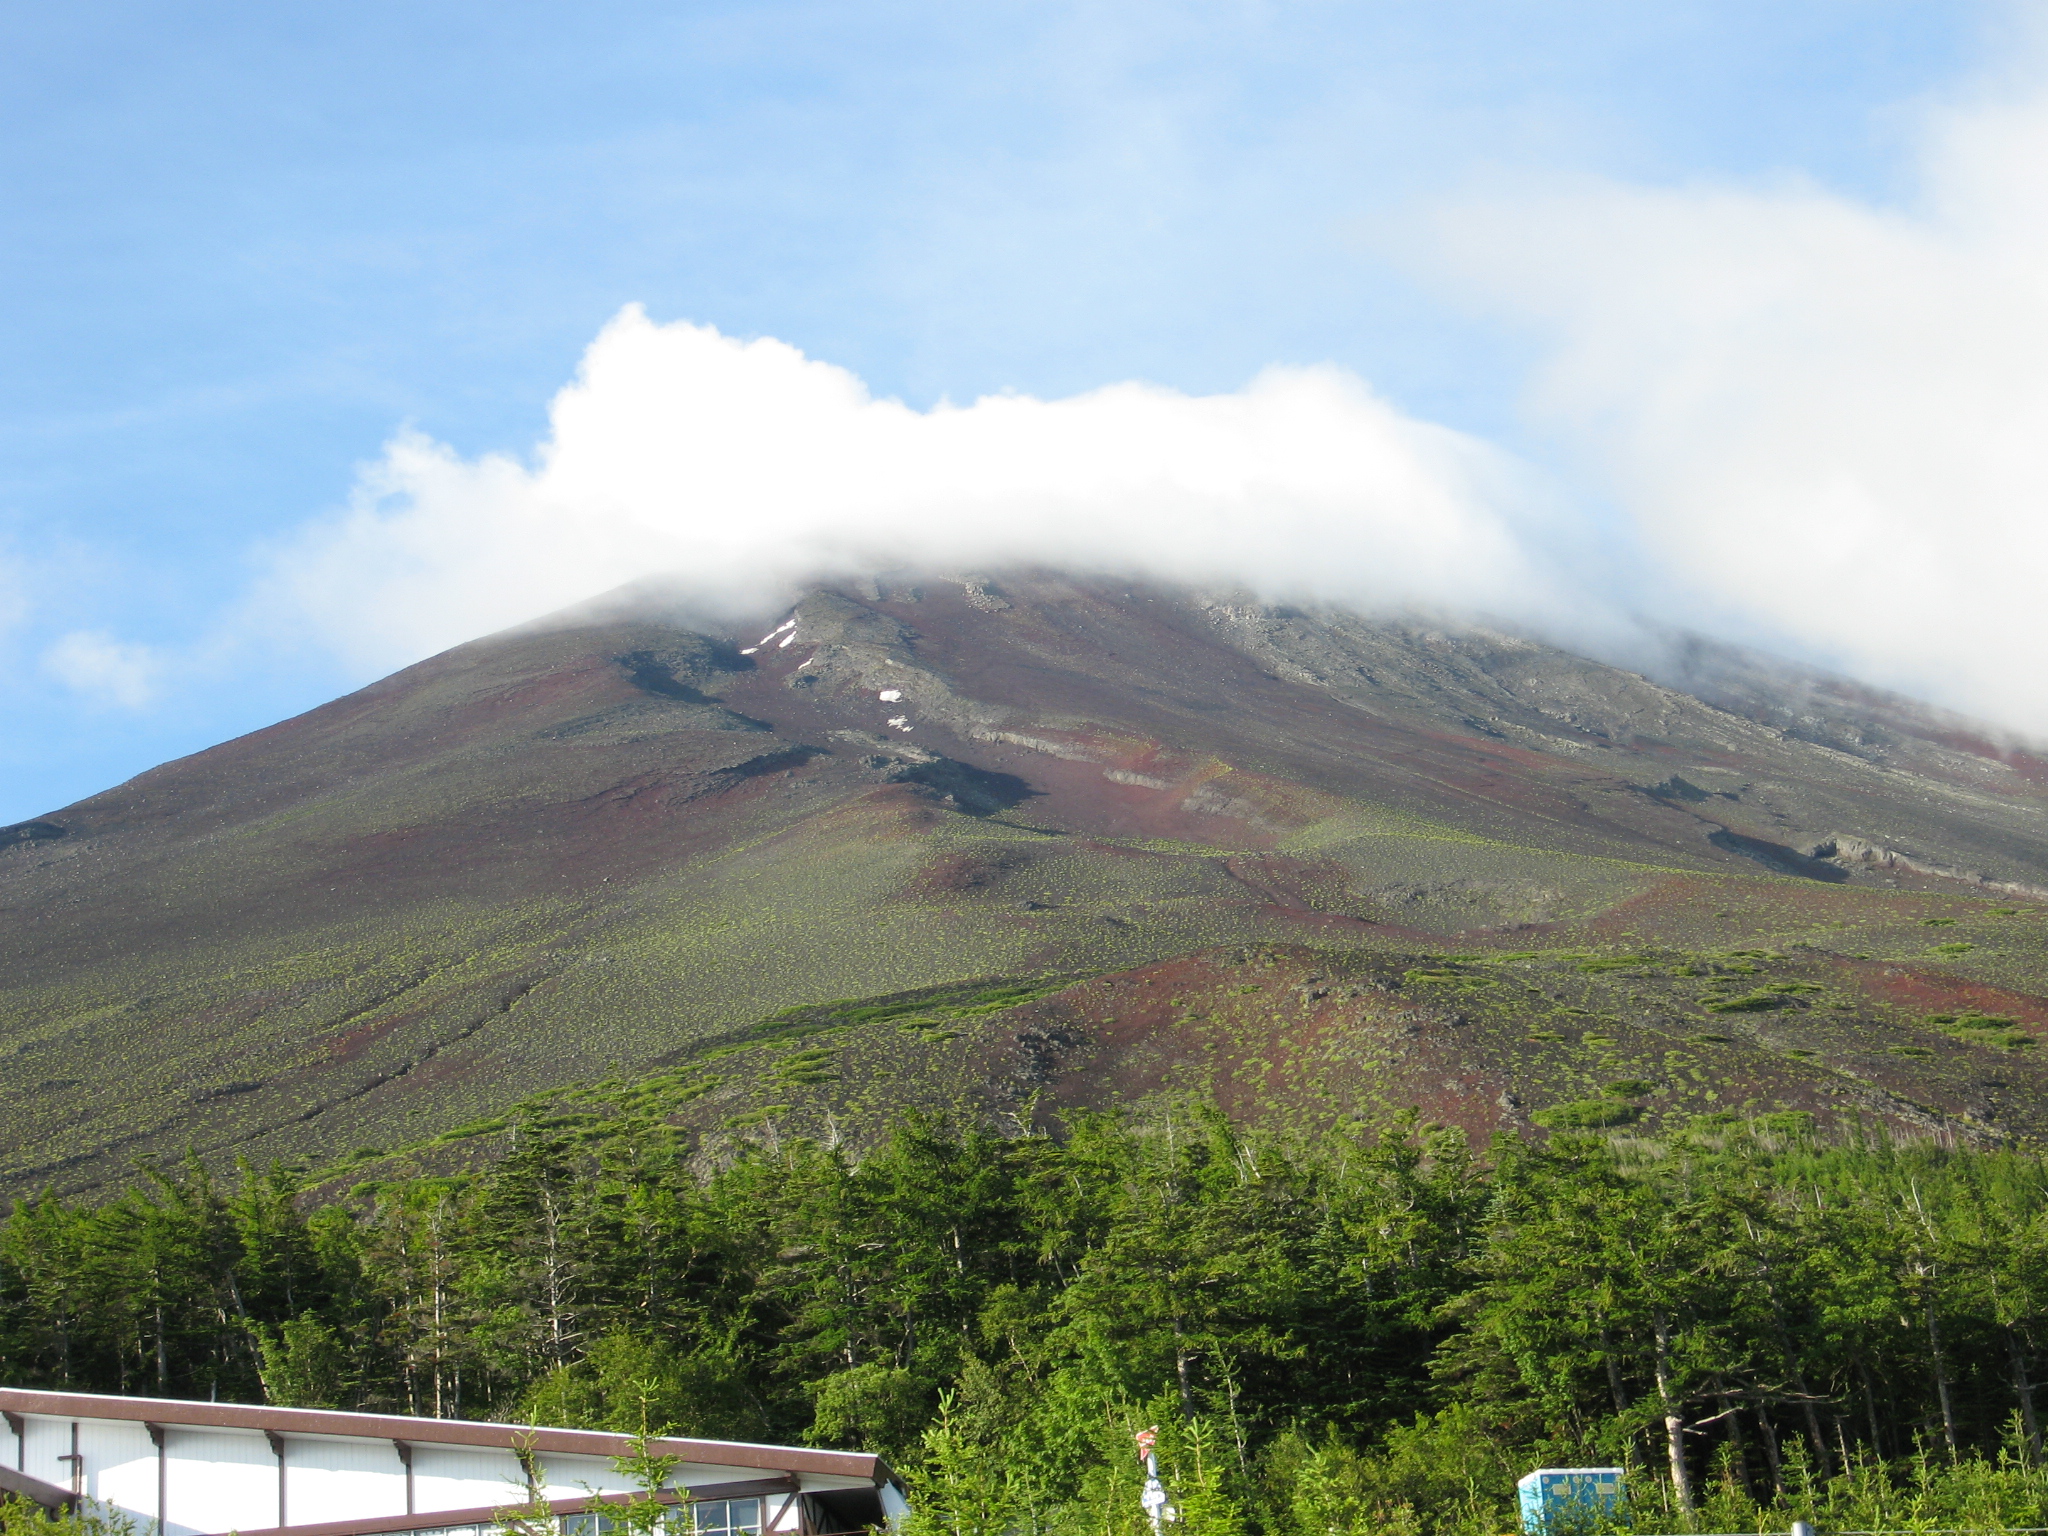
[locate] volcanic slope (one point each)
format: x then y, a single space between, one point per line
1063 842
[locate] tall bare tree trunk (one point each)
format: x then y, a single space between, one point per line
1613 1371
1928 1270
1948 1412
1870 1408
1180 1368
1674 1422
1813 1431
411 1353
552 1279
1768 1433
1732 1416
1791 1357
2024 1386
440 1336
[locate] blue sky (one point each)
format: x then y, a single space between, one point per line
246 244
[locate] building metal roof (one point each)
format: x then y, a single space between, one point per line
512 1437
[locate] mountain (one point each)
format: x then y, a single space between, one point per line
1027 843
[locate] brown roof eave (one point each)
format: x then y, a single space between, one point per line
374 1426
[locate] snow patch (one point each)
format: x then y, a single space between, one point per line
750 650
901 722
890 695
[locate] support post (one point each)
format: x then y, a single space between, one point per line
77 1462
19 1425
277 1449
158 1436
404 1449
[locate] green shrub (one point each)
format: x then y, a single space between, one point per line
1786 1122
305 1364
635 1385
1439 976
1586 1115
1443 1473
1753 1002
1983 1029
806 1068
873 1407
1615 963
24 1517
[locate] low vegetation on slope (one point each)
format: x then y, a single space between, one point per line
1915 1008
1648 1038
606 848
1345 1333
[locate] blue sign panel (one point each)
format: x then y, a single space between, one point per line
1557 1500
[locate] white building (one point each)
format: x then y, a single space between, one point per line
197 1469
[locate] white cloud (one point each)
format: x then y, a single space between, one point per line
1824 422
744 466
97 665
1831 417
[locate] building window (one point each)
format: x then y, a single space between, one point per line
719 1517
710 1517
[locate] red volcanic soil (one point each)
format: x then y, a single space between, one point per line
571 850
1273 1028
1929 991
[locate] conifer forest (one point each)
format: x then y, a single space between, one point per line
1366 1331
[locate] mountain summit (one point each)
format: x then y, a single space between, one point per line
1020 843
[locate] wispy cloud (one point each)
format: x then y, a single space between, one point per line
103 669
1831 417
